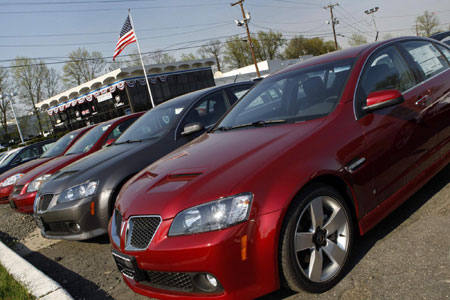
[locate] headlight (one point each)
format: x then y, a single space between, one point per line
214 215
11 179
35 184
78 192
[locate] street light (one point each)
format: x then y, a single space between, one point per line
11 95
372 12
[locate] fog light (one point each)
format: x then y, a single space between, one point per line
212 280
74 227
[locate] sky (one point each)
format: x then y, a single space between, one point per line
50 29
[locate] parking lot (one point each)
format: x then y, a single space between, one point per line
407 256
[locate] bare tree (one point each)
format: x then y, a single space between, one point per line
427 24
4 112
29 74
51 83
188 56
82 67
357 39
213 48
270 44
161 57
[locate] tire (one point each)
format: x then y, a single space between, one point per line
315 251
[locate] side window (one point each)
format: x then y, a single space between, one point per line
429 60
26 154
208 110
116 132
45 147
385 70
445 51
235 93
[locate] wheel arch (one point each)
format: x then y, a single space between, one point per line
115 193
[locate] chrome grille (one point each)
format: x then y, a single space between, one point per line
17 189
117 222
169 280
140 232
44 201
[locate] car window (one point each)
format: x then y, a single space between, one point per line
429 60
119 129
60 145
304 94
9 157
87 141
384 70
208 110
155 123
237 92
27 154
445 51
46 147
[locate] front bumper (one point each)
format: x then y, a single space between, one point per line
5 192
75 220
219 253
23 203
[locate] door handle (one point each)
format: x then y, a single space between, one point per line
423 101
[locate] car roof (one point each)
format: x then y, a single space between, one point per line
189 97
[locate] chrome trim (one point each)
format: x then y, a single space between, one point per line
355 165
129 231
114 237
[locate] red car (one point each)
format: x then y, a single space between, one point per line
24 192
10 177
276 193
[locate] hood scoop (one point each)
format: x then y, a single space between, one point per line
172 182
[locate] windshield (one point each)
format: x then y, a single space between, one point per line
87 141
59 147
300 95
154 123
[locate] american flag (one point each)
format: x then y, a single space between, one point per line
126 37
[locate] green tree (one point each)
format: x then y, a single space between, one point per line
295 48
213 48
357 39
161 57
82 67
270 44
188 56
29 75
237 53
299 46
427 24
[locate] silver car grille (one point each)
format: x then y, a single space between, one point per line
140 232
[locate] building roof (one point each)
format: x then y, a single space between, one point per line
121 74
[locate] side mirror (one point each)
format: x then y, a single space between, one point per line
192 128
381 99
109 142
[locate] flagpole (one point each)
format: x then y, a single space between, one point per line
140 56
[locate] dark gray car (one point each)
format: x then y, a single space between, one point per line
76 203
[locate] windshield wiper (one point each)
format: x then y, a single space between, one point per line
128 142
258 124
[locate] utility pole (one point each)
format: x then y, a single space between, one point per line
372 12
334 21
245 22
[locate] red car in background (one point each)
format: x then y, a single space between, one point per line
103 134
276 193
10 177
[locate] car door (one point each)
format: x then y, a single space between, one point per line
434 74
397 137
207 111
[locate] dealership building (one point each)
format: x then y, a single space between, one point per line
123 91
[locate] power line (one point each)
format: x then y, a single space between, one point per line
110 32
71 2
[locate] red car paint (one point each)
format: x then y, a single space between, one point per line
23 201
378 160
26 167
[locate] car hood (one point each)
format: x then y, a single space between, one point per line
96 165
49 167
207 169
24 168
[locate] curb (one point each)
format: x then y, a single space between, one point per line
35 281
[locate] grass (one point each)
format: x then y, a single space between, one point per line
10 289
